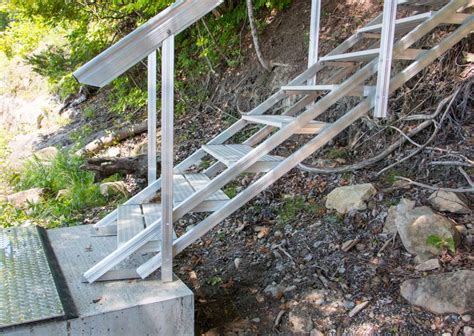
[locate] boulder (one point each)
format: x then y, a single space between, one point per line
113 188
448 201
416 225
347 198
24 198
46 154
442 293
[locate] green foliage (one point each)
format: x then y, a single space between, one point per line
441 243
231 190
79 192
87 28
292 207
214 281
337 153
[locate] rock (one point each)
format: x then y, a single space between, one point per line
301 322
466 318
113 188
461 229
315 332
46 154
415 225
237 262
24 198
140 148
468 331
448 201
428 265
347 198
62 193
442 293
316 297
389 226
275 291
348 304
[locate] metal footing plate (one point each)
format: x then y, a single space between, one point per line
27 289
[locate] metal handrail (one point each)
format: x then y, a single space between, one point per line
144 40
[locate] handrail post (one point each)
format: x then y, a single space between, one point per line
151 117
314 36
167 156
385 58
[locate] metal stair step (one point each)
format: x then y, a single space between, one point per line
132 219
400 24
307 89
281 121
229 154
370 54
410 22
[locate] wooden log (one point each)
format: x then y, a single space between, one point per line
112 137
108 166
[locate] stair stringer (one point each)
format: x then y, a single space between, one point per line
309 148
233 171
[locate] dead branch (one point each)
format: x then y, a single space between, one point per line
369 162
112 137
448 100
458 190
466 176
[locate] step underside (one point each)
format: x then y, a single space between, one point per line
230 154
370 54
362 91
281 121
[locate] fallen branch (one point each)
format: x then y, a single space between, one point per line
448 100
427 186
108 166
369 162
112 137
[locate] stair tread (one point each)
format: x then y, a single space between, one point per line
369 54
302 89
229 154
132 219
407 22
281 121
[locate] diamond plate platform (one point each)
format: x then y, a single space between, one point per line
27 288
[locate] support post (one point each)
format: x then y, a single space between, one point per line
152 118
385 58
314 36
167 156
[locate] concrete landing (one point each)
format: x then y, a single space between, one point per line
134 307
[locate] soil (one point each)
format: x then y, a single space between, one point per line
255 249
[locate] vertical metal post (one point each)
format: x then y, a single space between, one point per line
167 155
314 36
151 117
385 58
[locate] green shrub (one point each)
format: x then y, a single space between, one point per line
62 174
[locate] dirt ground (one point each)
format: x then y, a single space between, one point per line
259 274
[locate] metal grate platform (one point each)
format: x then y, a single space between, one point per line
27 289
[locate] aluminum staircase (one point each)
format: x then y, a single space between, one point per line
353 73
